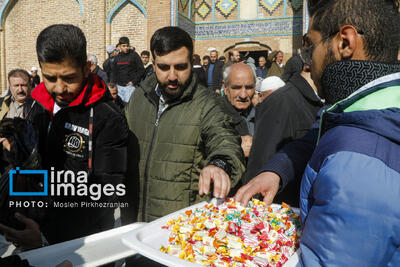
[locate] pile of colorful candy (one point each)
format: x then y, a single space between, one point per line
233 235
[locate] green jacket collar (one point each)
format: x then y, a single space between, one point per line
149 85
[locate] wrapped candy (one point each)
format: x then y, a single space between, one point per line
232 235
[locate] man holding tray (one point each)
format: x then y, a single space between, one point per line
183 144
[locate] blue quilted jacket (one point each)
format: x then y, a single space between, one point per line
350 191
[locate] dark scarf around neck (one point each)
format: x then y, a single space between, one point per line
342 78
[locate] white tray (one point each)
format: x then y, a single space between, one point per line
148 239
89 251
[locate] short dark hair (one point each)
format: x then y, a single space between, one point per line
168 39
123 40
111 85
196 59
377 20
207 57
19 73
61 41
221 58
145 52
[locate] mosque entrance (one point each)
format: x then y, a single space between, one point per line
249 49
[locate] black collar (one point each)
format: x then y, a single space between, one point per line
342 78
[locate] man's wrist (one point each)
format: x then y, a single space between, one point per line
222 164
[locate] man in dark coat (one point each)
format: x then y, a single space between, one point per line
284 116
94 67
214 72
87 138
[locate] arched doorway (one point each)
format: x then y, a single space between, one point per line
252 49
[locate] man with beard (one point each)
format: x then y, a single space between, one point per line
352 176
87 134
182 139
18 103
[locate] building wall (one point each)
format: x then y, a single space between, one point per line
105 21
23 24
158 15
130 22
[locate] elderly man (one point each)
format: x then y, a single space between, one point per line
267 87
94 67
182 141
352 175
18 103
239 86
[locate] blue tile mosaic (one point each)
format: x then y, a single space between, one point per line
267 27
225 7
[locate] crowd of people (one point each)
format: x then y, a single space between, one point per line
320 133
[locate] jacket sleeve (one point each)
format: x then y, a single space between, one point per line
289 163
273 127
347 198
220 138
110 152
138 68
114 70
217 83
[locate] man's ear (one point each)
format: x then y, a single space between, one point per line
350 45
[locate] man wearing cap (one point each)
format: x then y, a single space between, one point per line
267 87
108 63
35 77
284 116
127 70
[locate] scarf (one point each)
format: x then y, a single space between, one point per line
342 78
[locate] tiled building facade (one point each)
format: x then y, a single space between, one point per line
211 23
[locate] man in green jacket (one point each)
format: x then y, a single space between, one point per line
275 64
182 139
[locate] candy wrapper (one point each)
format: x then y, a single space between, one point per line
233 235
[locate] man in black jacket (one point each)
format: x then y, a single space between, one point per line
127 71
86 139
284 116
109 62
214 72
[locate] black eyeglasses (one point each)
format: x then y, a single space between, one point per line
306 52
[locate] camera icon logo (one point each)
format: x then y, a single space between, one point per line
17 172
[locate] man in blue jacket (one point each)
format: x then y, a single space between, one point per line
351 183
